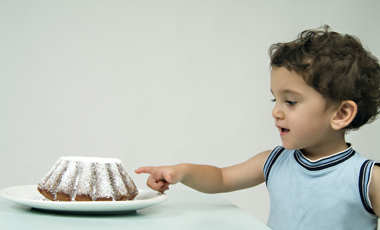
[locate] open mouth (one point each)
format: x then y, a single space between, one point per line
283 131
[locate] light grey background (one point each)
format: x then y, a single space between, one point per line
153 82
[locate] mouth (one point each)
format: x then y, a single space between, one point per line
283 131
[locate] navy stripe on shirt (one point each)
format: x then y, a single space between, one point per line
324 163
364 181
270 161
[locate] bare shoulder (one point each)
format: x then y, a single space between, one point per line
374 190
260 158
247 174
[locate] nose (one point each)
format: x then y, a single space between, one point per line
277 114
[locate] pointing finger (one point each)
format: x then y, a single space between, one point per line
146 169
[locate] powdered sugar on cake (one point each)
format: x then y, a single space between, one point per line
86 179
100 160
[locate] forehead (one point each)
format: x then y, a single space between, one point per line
288 82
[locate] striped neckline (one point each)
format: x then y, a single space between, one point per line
325 162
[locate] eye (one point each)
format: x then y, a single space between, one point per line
273 100
291 103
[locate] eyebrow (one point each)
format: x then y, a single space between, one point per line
289 92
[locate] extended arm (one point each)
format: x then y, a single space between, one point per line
206 178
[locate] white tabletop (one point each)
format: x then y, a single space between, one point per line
183 210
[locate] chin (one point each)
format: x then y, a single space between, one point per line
289 146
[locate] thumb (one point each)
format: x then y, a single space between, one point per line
168 178
172 178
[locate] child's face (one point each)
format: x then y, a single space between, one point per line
300 112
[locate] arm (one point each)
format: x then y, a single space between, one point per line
374 190
208 179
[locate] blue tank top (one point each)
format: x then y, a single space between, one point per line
330 193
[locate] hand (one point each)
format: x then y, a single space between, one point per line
160 177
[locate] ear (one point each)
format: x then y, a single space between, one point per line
344 115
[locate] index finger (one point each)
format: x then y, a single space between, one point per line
146 169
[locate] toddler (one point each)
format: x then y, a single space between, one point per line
324 84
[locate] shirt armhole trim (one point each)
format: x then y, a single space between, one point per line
364 182
271 159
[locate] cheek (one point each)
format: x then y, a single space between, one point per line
311 125
305 126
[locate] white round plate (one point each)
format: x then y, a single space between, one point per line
28 195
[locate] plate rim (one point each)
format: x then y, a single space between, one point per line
84 206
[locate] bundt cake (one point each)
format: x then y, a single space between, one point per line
87 179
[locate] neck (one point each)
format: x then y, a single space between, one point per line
325 150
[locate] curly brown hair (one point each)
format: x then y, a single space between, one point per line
337 66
